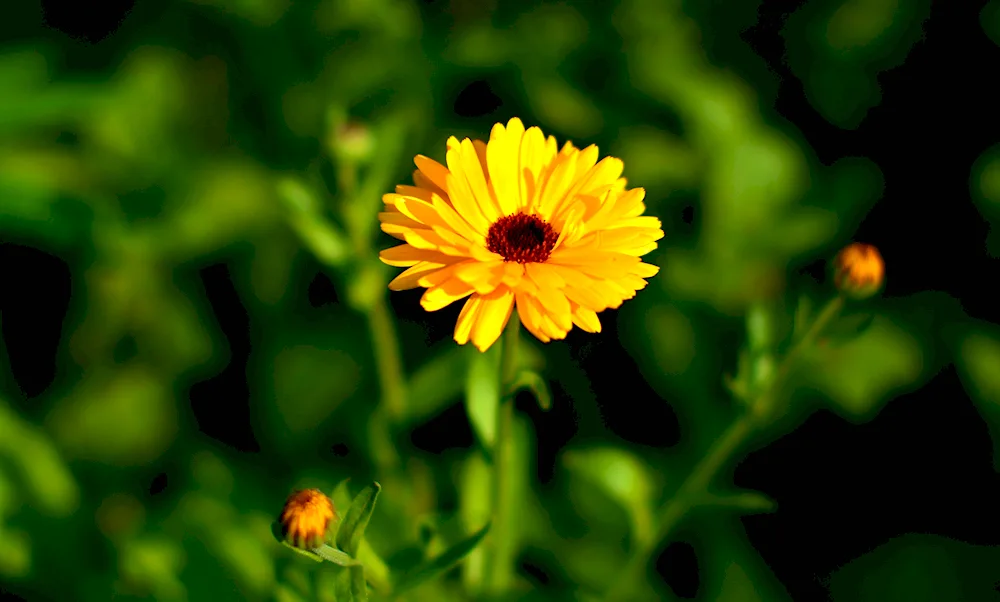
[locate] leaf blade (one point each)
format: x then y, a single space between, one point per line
352 528
442 563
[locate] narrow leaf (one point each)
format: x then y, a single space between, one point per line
352 528
747 502
442 563
803 312
533 381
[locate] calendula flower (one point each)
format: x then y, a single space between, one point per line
306 517
859 270
516 222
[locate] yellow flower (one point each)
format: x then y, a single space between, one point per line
306 517
517 222
859 270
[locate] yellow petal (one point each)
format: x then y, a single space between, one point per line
586 319
493 315
417 210
482 276
644 270
588 298
424 183
530 316
552 299
431 241
466 205
435 172
530 166
473 171
601 177
556 186
513 274
466 318
502 157
457 222
422 193
404 256
643 221
445 294
409 278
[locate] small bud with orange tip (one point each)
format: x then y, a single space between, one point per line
859 271
306 517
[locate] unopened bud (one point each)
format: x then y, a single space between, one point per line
306 517
352 141
859 270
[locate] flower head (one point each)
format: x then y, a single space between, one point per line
516 222
306 517
859 270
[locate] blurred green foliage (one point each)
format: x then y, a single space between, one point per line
222 134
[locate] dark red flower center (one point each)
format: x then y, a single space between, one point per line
522 238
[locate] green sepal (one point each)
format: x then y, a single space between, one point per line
279 535
323 552
352 527
335 556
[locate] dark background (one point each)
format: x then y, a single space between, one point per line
843 487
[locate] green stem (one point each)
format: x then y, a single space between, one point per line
389 367
695 486
387 357
385 341
500 532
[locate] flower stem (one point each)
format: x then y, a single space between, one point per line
691 491
500 532
385 341
387 357
385 345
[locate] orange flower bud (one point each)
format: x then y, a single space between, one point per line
306 517
859 270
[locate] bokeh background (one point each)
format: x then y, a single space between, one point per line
190 303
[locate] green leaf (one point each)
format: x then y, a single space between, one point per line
919 568
977 360
622 476
533 381
434 384
442 563
858 376
352 528
317 233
